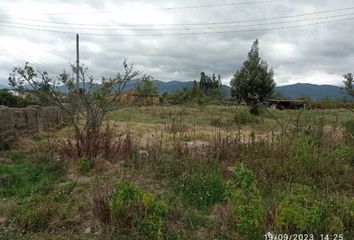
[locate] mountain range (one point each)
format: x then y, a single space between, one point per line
294 91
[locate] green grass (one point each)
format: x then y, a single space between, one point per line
21 178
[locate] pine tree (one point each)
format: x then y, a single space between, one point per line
253 83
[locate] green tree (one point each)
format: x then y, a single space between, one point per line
254 82
146 90
146 87
349 84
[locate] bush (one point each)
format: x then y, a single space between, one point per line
246 203
10 100
132 212
200 189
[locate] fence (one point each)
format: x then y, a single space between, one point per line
17 122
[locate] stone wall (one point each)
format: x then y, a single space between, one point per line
16 122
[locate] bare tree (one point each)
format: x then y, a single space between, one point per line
92 102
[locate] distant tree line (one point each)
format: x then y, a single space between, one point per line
208 89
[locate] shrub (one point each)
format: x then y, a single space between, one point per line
246 203
200 189
133 212
10 100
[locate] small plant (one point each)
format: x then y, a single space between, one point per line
298 212
243 117
132 212
84 165
201 189
303 210
246 203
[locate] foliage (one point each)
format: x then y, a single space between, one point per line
10 100
253 83
200 188
349 84
210 86
146 90
301 211
135 212
246 203
298 213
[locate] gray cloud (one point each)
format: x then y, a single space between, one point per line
317 54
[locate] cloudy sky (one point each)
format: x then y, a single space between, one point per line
304 41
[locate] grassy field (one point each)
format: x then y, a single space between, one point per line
197 172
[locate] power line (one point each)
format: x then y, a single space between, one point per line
173 8
187 24
184 33
178 29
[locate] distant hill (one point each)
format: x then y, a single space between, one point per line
3 86
171 86
316 92
294 91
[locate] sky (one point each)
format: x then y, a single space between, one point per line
304 41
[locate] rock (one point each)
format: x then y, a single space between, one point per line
143 154
231 169
88 230
3 221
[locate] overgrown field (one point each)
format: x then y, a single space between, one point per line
210 172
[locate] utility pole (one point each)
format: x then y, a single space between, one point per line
77 64
77 76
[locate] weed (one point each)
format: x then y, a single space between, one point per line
243 117
133 212
246 203
200 188
84 164
24 179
